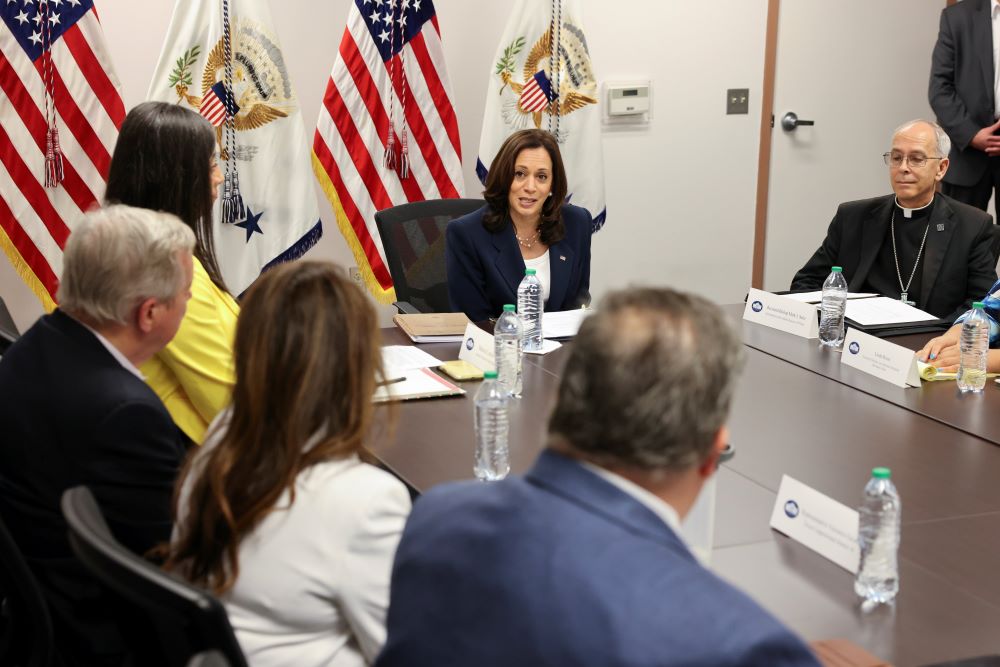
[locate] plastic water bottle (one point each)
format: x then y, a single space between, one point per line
507 345
529 309
878 537
974 345
831 321
492 426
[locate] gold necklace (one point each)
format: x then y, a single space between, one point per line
528 242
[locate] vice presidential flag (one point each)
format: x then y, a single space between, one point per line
60 110
542 77
249 99
387 132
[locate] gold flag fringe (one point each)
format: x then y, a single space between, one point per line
27 275
347 231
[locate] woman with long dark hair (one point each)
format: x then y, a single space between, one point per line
525 224
165 160
277 513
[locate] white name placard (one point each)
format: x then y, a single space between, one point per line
477 348
782 313
817 521
885 360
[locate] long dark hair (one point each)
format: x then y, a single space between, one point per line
551 228
307 355
161 162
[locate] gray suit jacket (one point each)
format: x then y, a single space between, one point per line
961 85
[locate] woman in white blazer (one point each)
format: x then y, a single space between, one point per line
277 513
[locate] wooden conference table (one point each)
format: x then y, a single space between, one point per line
797 412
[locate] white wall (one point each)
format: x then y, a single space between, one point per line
680 191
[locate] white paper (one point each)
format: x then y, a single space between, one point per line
817 521
547 346
398 358
883 310
563 324
816 297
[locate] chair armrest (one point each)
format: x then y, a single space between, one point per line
405 307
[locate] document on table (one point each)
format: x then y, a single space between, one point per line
816 297
563 324
883 310
399 358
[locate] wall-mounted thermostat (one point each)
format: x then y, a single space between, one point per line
628 99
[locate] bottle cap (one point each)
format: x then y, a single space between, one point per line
881 473
978 305
529 272
489 375
509 308
836 269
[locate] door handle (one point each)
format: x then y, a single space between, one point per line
790 121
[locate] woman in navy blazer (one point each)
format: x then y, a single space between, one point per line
525 224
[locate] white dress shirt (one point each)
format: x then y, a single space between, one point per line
313 586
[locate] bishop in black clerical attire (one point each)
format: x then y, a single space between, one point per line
916 245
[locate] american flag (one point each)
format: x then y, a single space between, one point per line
388 91
213 106
537 93
87 111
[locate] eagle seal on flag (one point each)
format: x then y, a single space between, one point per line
574 85
261 91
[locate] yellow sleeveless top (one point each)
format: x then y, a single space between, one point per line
194 374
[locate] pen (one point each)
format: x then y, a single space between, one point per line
392 381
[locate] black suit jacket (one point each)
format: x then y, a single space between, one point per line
961 85
485 268
70 415
958 262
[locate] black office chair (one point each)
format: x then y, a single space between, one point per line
25 625
187 626
413 240
8 330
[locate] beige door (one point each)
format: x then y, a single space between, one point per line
858 69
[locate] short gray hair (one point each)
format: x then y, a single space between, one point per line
943 141
649 380
119 256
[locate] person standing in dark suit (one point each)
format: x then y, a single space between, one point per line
75 410
963 93
525 224
926 249
581 561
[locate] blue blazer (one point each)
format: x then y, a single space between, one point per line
485 268
560 567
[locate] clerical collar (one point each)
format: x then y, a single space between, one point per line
914 212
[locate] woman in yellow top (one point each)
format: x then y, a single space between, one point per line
165 160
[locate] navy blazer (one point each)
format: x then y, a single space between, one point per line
485 268
958 265
557 568
73 415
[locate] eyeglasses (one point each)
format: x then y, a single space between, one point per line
915 161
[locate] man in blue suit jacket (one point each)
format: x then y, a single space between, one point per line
75 410
580 562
